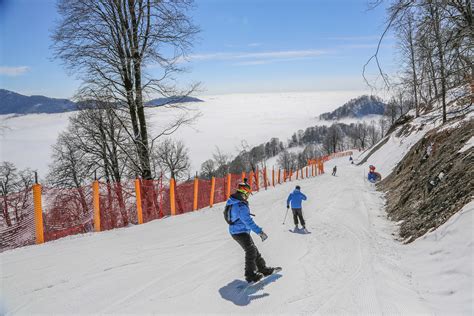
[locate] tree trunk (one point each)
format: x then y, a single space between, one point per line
439 44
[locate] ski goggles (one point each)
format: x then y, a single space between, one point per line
245 190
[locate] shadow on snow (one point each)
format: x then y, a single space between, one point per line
299 231
241 293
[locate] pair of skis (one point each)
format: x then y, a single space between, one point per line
296 229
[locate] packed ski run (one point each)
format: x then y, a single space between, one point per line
347 262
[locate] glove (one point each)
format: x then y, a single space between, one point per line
263 236
287 207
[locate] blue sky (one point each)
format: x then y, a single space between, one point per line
244 46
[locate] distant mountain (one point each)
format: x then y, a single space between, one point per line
357 108
172 100
15 103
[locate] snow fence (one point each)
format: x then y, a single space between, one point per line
41 214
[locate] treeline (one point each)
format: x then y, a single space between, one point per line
435 42
314 142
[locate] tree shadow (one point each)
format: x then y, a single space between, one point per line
242 294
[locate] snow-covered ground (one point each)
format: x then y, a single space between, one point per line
225 121
349 263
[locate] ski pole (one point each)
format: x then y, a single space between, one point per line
285 216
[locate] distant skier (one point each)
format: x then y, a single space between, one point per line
237 215
295 198
334 170
351 160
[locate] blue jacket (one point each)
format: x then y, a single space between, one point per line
296 197
240 216
372 177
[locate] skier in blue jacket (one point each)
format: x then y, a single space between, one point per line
237 214
295 198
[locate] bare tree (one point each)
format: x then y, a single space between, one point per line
383 123
222 162
70 168
18 184
406 32
173 157
287 161
208 169
437 40
109 43
8 180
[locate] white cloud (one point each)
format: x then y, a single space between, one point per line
354 38
262 56
13 71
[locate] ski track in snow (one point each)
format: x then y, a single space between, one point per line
348 264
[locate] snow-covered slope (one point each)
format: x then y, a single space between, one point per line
442 263
348 264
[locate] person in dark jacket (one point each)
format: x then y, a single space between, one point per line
295 198
334 170
238 213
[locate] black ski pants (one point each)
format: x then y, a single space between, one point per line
253 259
298 213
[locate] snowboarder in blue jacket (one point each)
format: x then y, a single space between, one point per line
295 198
237 215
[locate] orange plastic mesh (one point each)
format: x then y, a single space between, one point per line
204 193
67 211
219 190
184 197
17 223
117 204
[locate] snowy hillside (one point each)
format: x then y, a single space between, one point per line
225 121
349 263
357 108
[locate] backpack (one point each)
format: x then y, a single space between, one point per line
227 214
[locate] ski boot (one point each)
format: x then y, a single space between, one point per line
269 270
254 277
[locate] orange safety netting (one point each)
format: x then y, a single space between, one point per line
117 204
184 197
219 190
235 179
67 211
204 193
153 197
70 211
17 224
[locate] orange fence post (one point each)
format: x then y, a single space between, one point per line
172 197
257 180
38 213
279 179
302 174
265 180
273 176
284 175
138 196
243 176
196 190
228 186
213 186
96 202
251 178
307 173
